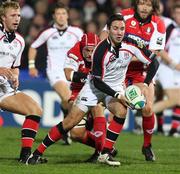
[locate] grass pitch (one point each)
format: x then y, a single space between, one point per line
70 159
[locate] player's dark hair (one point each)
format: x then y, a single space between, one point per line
175 5
155 5
59 5
114 17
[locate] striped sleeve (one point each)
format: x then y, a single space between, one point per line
98 66
139 50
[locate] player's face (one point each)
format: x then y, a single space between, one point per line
11 19
176 15
116 31
61 17
144 8
87 52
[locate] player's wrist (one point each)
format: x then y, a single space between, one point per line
117 95
31 64
173 64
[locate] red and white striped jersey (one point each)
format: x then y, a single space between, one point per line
152 34
75 61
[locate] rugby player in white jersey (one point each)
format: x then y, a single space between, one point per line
105 84
59 39
171 82
11 99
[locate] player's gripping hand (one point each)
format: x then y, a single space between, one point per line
123 100
6 72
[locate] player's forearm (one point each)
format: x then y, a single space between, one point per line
15 72
32 57
167 59
152 69
99 84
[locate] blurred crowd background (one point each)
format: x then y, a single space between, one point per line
89 15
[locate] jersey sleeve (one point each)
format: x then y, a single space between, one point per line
138 50
71 61
17 62
158 38
98 65
41 39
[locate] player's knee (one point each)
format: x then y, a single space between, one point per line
35 110
77 135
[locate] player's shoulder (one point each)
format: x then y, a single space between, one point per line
20 38
75 52
128 11
160 23
75 29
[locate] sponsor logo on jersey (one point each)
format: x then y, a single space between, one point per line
133 23
112 58
84 98
148 31
126 55
159 41
139 40
54 37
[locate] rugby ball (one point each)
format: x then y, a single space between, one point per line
135 97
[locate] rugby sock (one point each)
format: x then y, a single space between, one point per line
160 121
148 126
99 132
175 118
89 139
113 131
54 135
29 130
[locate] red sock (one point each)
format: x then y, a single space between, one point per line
175 118
89 139
148 126
113 131
53 136
99 132
29 130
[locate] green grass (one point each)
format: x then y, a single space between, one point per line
69 159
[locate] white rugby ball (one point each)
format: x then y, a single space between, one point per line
135 97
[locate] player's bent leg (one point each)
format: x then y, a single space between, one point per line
23 104
57 132
148 125
62 89
113 131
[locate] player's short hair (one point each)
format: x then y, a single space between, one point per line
175 5
155 5
59 5
8 4
114 17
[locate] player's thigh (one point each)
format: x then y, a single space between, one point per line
172 94
98 111
62 88
21 104
116 108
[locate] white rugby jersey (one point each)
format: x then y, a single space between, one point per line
58 43
10 53
111 65
173 41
